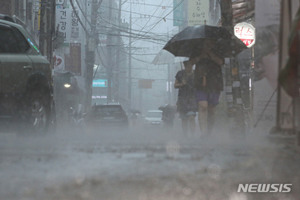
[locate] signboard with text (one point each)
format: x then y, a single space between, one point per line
100 83
178 13
73 60
198 12
59 63
62 21
246 33
67 22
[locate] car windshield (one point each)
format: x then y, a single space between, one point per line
108 110
150 99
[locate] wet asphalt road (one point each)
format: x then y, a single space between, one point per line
141 163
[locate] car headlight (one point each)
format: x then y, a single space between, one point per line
67 85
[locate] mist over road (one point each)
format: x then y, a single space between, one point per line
142 164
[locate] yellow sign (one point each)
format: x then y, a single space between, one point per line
39 16
145 83
198 12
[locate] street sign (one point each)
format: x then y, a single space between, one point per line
100 83
246 33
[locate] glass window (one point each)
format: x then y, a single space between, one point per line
22 42
12 41
107 111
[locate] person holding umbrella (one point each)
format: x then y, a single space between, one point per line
193 42
186 102
208 84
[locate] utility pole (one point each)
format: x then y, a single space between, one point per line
29 12
233 78
118 60
43 28
226 14
47 28
129 59
110 67
169 84
92 42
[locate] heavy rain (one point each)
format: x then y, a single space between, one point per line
149 100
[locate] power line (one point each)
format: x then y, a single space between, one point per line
85 17
137 13
149 20
141 37
142 28
131 25
154 40
120 28
150 17
154 5
166 15
133 12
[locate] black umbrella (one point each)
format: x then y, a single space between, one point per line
191 42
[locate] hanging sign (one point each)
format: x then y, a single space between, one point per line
246 33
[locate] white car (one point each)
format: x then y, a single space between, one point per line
153 117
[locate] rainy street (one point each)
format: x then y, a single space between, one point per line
149 100
142 165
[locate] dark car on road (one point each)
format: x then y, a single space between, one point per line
107 116
26 92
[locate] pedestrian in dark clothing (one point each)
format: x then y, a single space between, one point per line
186 103
208 84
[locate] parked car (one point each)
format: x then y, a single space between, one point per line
107 116
153 118
26 92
